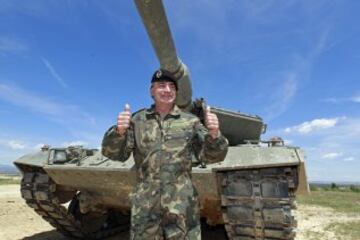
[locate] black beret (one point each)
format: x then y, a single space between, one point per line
163 76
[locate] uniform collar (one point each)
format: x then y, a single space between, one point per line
175 112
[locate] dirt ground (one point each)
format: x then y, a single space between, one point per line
17 221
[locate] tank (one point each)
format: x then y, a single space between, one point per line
251 193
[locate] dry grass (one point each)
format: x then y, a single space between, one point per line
346 231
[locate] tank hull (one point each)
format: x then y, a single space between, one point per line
109 184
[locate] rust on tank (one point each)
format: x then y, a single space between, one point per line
210 208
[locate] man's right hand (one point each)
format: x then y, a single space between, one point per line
123 120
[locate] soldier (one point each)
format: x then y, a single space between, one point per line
164 140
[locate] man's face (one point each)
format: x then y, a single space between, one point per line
163 92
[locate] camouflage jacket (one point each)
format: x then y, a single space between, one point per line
164 149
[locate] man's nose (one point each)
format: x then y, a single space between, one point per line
167 88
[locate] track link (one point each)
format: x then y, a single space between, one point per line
257 204
38 190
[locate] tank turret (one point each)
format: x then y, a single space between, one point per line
235 126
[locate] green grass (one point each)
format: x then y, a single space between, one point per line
4 180
345 202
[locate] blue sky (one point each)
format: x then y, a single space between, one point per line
68 67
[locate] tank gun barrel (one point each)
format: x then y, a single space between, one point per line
154 18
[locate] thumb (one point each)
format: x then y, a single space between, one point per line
207 109
127 107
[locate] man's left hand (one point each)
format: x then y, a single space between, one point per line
211 123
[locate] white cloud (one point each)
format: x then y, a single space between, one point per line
302 65
333 100
12 148
54 73
349 159
16 145
354 99
74 143
59 112
283 97
12 144
316 124
336 145
332 155
38 146
11 45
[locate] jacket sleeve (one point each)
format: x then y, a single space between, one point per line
118 147
209 150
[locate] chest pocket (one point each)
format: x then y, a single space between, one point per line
179 135
147 135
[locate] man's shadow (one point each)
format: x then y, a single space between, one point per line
208 232
48 235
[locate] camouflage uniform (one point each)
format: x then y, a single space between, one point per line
164 201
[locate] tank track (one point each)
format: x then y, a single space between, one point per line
257 204
38 190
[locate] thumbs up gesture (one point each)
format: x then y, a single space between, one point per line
211 123
123 120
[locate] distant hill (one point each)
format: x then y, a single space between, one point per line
8 169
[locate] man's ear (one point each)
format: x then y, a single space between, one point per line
151 92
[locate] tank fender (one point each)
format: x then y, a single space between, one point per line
37 159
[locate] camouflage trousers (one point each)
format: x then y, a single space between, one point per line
167 213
